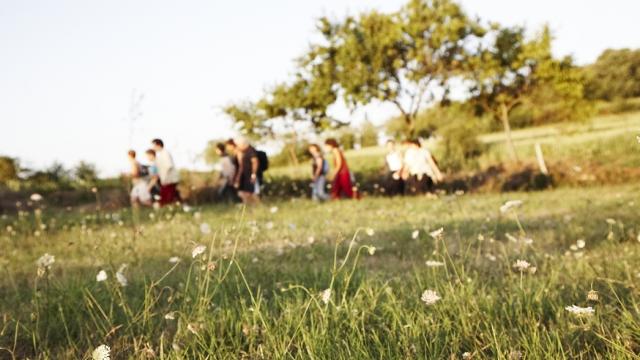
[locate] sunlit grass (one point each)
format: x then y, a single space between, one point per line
342 280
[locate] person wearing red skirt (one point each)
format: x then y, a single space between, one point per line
341 186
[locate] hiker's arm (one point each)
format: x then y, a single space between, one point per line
254 168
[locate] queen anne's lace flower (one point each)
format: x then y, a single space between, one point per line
199 249
580 311
510 205
521 265
45 261
415 234
433 263
325 296
102 276
102 352
205 229
430 297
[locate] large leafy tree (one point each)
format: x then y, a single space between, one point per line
405 58
510 69
616 74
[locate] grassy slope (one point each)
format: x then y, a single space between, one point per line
607 140
262 301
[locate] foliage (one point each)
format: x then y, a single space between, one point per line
615 74
510 70
9 169
85 174
368 134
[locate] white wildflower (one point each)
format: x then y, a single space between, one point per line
370 231
415 234
511 237
573 247
430 297
186 208
170 316
509 205
611 221
580 311
325 296
372 250
466 355
521 265
433 263
199 249
36 197
102 276
580 244
174 260
436 234
45 261
205 229
592 295
274 209
122 280
269 225
102 352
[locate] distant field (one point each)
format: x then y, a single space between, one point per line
606 140
341 280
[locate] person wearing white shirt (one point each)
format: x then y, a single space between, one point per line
167 173
420 170
227 169
394 166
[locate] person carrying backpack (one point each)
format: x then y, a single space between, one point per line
319 171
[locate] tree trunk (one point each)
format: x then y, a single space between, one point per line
504 117
293 155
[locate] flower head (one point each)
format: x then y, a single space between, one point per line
521 265
580 244
510 205
592 295
434 263
325 296
370 231
205 229
174 260
580 311
199 249
36 197
122 280
102 276
45 261
102 352
430 297
436 234
415 234
372 250
274 209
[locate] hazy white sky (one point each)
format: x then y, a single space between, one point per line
68 68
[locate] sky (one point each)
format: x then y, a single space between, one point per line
71 69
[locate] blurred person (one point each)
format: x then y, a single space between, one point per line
394 163
419 169
153 183
167 173
246 178
139 192
227 168
341 186
319 170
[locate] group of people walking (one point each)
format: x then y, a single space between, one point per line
156 182
411 170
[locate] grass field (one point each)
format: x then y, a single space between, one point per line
604 141
341 280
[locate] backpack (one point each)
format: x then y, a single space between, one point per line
263 161
143 171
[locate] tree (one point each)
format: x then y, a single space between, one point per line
85 173
368 134
9 169
510 69
616 74
403 58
